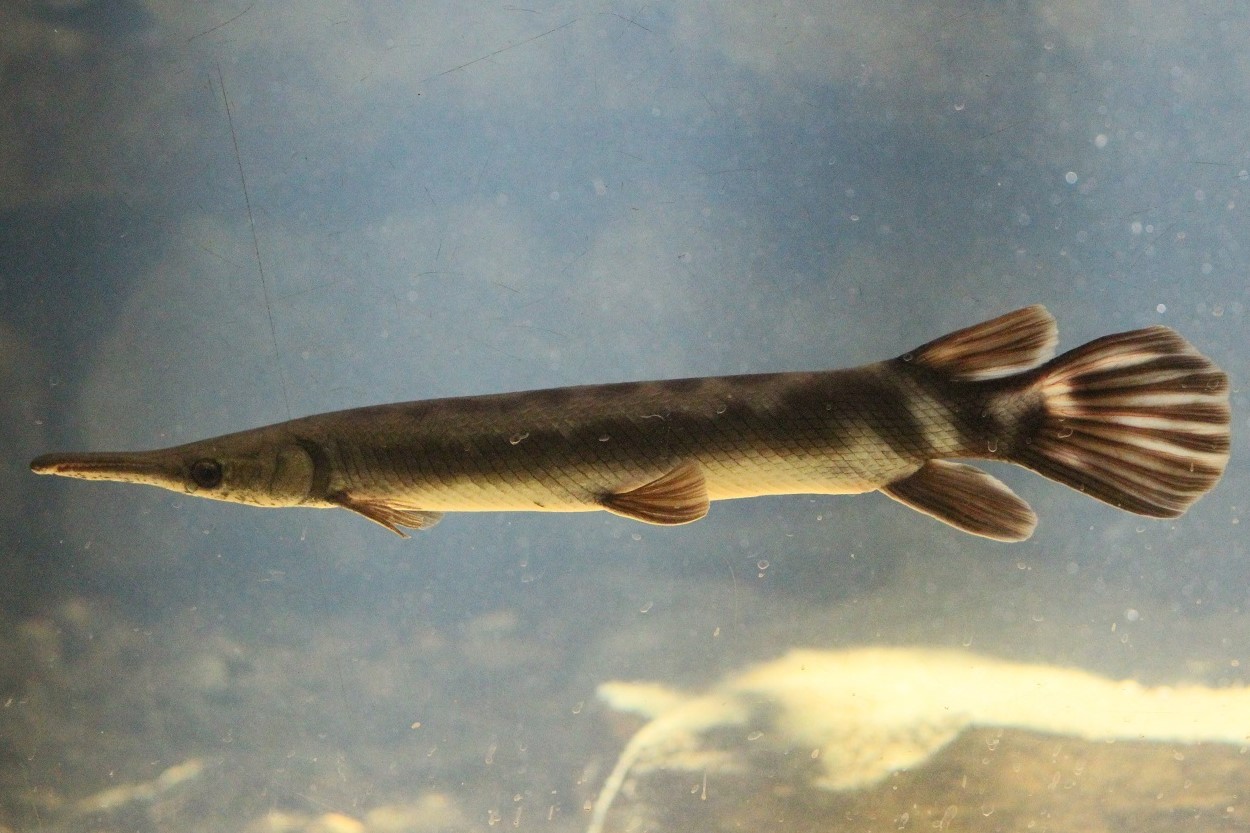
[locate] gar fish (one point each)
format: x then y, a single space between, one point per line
1139 420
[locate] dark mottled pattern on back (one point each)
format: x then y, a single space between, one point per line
682 385
553 397
1138 419
582 442
873 400
982 419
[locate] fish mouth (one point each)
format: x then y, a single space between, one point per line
122 466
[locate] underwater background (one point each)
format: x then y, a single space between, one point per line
224 214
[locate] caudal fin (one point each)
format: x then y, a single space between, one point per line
1138 420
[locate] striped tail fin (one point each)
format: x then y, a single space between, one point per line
1139 420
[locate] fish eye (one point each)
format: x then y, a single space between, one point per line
206 473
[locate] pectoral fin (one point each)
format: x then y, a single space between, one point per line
966 498
384 514
678 497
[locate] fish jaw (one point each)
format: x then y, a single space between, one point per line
151 468
249 468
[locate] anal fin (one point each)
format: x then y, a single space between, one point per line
678 497
387 515
966 498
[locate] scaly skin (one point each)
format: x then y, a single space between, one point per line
1139 420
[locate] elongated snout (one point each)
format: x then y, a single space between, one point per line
254 467
150 468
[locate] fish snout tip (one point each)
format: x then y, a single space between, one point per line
123 466
45 464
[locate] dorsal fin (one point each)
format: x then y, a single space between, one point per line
1011 343
678 497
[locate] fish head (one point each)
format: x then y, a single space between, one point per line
260 468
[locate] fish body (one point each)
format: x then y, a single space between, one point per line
1139 420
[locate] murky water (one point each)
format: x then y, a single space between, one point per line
220 215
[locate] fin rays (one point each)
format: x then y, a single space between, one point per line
387 515
678 497
1011 343
966 498
1139 420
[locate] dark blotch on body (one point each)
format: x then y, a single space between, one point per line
749 380
874 402
620 388
553 397
681 385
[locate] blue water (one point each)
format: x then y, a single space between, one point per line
222 214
